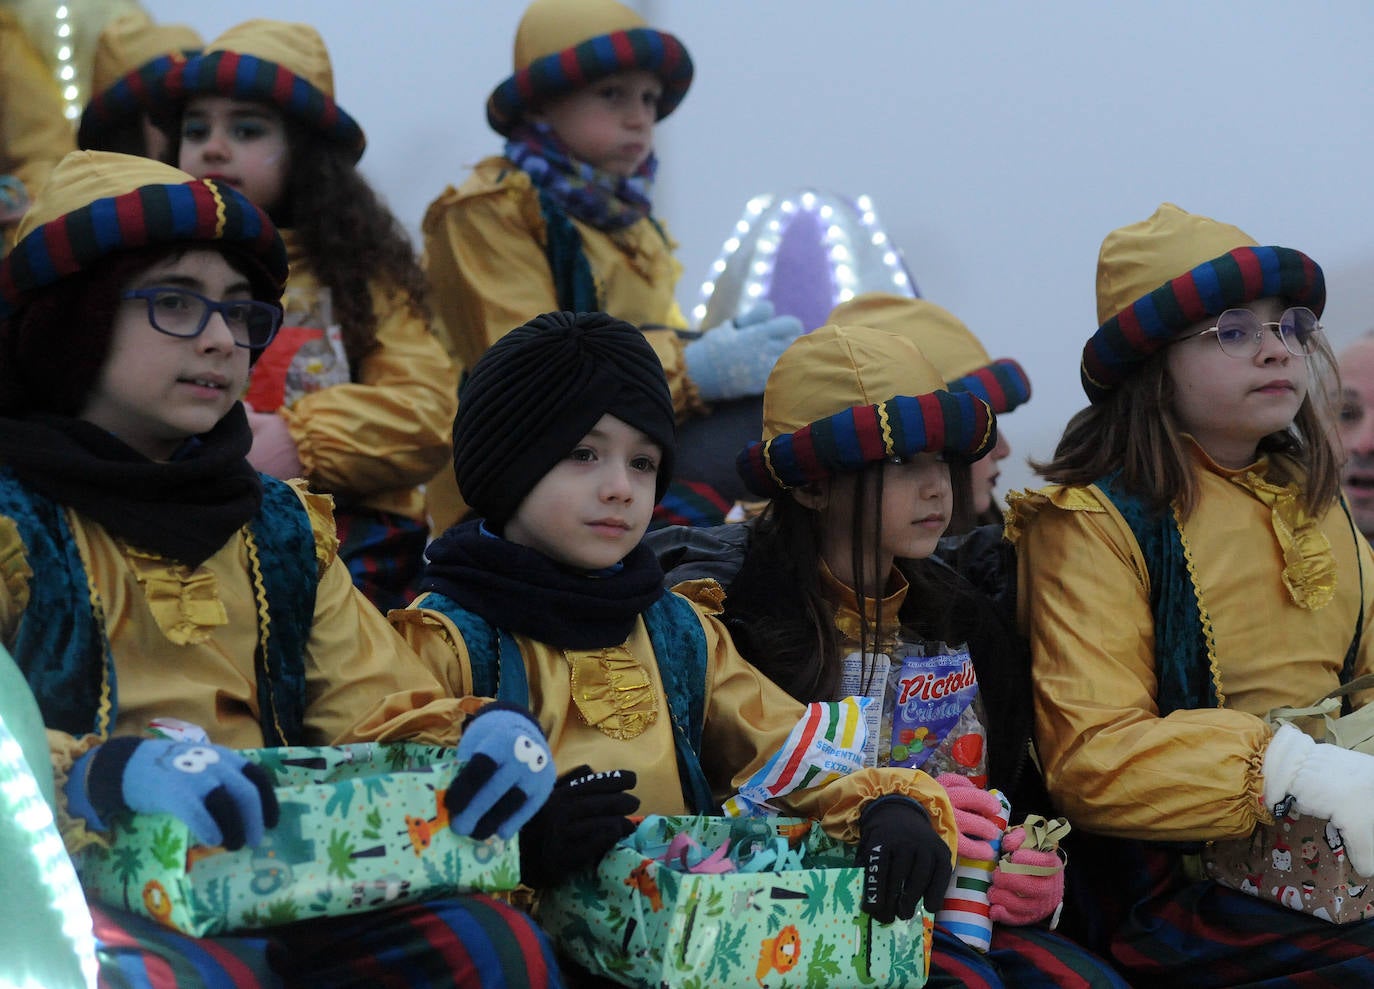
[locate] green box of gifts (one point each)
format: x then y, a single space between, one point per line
361 826
639 921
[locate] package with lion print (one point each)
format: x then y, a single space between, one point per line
728 901
362 826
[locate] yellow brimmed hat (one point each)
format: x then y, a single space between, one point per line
956 353
563 45
1163 274
843 397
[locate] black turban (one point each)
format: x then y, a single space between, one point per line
541 388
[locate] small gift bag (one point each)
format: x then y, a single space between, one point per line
361 826
1299 861
763 901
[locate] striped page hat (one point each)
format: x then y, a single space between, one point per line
563 45
841 398
1157 277
956 353
282 64
98 203
131 58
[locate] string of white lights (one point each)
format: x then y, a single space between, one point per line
66 69
765 223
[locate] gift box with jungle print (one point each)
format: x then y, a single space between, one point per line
361 826
640 920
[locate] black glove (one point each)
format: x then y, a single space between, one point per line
905 861
583 819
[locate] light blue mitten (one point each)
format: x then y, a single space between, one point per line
222 797
508 773
732 360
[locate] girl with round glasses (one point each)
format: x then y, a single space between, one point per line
1193 566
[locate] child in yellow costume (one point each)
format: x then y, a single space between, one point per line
564 441
563 220
365 416
1191 567
150 573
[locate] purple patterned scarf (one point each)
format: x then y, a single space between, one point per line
607 202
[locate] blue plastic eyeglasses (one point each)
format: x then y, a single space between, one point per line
179 312
1241 333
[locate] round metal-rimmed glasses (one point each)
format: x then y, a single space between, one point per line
1241 333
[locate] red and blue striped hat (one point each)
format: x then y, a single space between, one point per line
563 45
98 203
131 58
945 341
282 64
1157 277
843 397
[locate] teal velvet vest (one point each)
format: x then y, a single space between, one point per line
498 670
61 643
1181 666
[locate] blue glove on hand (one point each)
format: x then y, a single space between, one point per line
733 359
222 797
905 861
507 777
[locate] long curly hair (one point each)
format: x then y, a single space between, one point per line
350 236
352 239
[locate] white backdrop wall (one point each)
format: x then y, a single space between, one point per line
999 141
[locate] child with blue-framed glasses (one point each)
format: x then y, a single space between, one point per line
149 574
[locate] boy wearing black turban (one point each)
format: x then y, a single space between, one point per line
563 441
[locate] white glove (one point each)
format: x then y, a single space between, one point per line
732 360
1325 781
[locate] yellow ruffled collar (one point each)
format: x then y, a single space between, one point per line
846 602
185 601
1309 571
612 690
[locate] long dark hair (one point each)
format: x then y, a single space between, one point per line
350 237
778 613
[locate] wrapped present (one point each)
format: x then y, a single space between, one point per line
1299 861
765 901
361 826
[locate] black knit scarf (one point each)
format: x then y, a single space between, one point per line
185 509
520 589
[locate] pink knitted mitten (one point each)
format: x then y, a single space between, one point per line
1028 885
978 814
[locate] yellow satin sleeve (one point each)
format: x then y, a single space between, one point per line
747 718
376 439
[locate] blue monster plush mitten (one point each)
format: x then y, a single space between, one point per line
222 797
732 360
508 773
